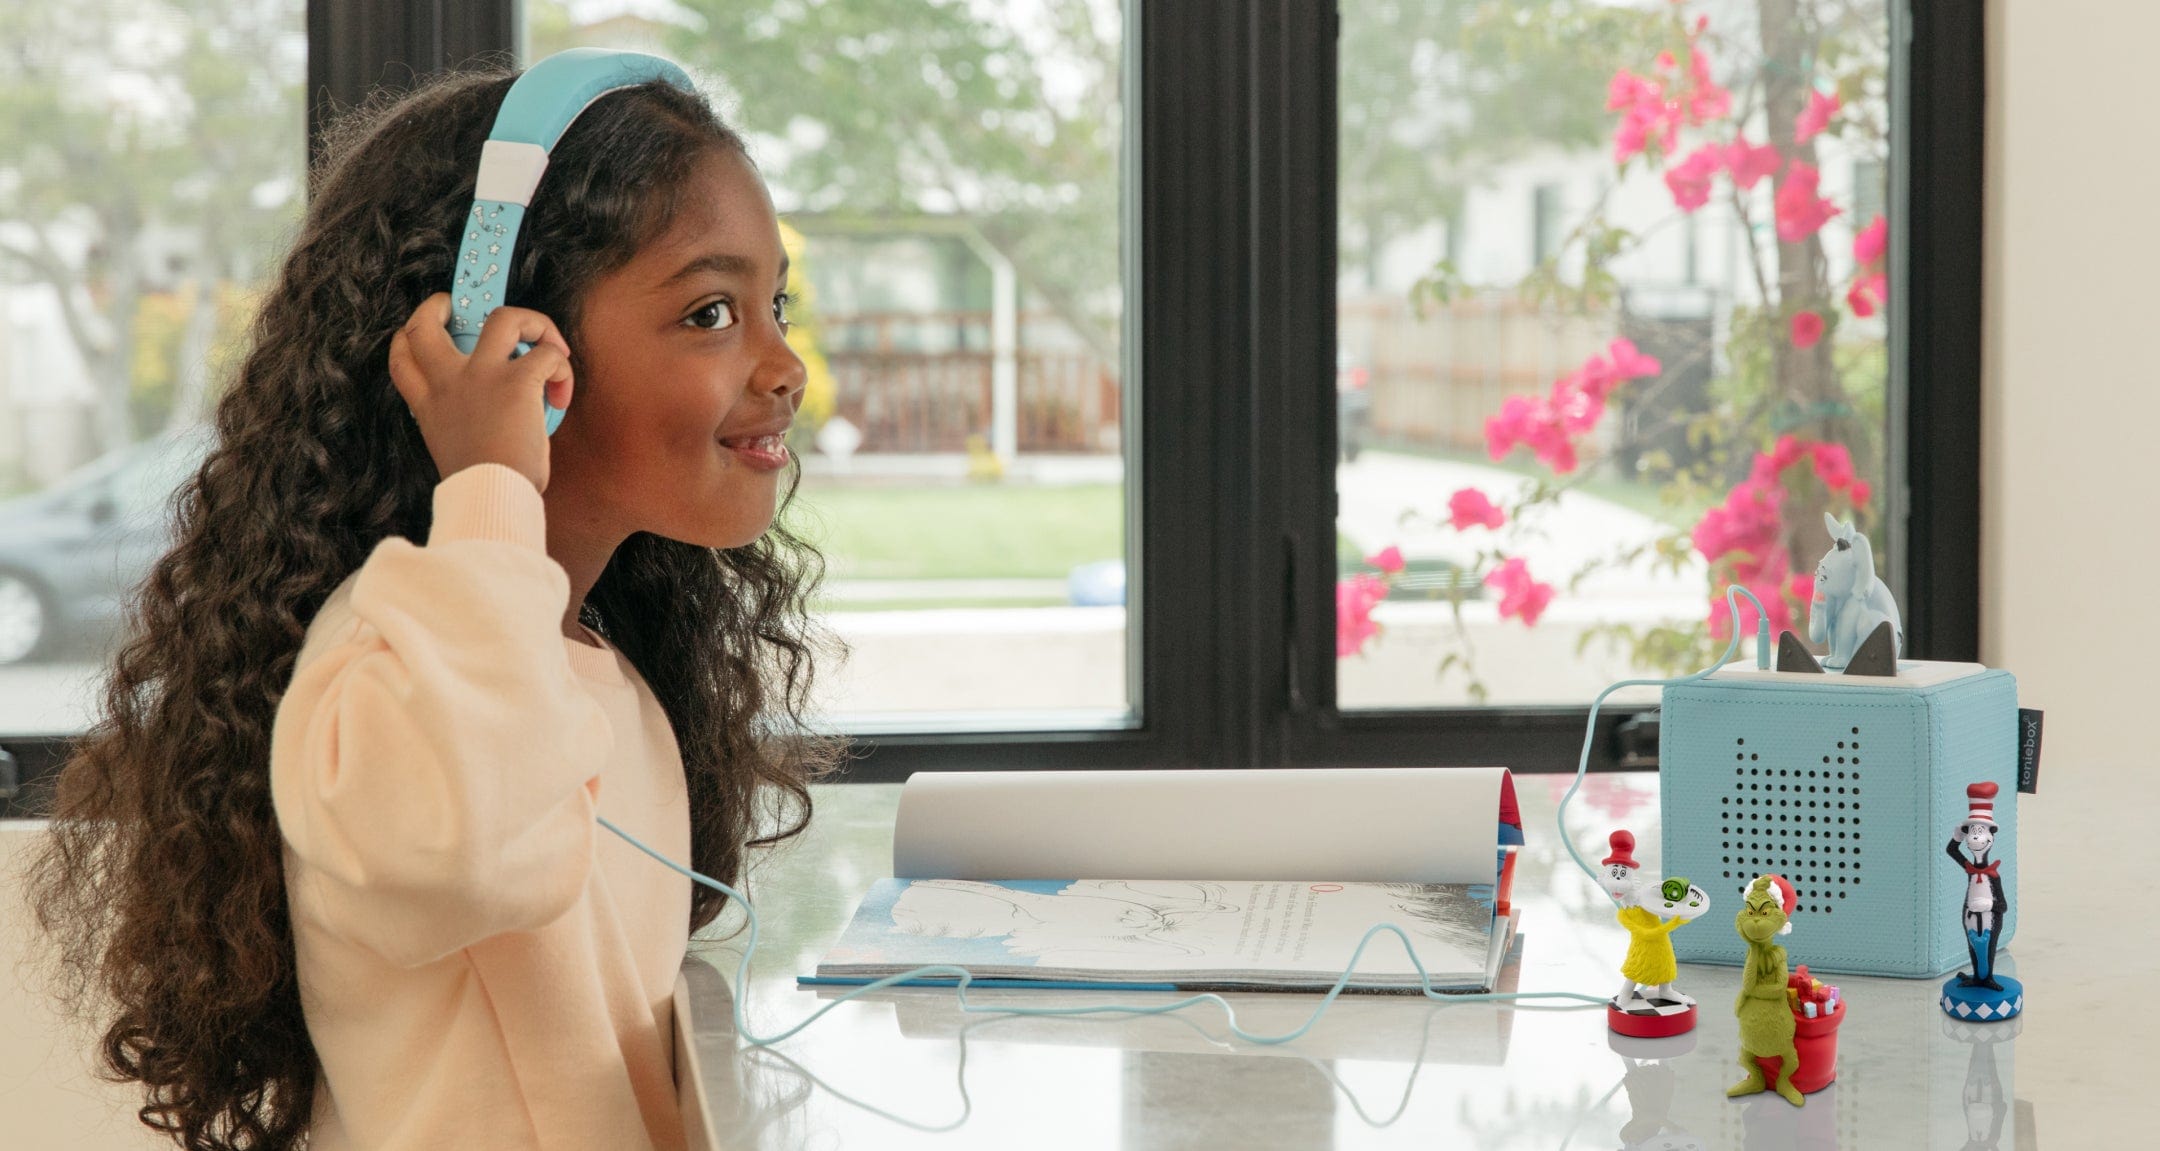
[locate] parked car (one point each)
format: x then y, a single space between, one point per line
1353 405
71 554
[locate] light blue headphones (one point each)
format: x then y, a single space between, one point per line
539 108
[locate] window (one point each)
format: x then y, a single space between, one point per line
151 163
1265 213
950 186
1571 441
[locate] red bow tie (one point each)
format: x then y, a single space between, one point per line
1993 869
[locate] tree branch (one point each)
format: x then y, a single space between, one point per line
53 270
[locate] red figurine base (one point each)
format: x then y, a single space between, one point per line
1650 1020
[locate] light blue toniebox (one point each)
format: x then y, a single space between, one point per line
1849 787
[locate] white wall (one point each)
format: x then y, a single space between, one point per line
2071 403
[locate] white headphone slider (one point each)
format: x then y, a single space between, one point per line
509 171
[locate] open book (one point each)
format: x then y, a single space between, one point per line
1244 880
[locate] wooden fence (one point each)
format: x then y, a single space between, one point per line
1436 380
922 383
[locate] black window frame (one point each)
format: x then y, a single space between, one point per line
1231 218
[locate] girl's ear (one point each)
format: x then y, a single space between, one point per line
1838 531
1866 553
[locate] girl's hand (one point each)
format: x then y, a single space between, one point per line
478 409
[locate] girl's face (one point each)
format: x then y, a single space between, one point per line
687 382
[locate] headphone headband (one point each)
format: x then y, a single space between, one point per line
540 106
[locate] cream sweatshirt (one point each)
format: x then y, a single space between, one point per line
481 964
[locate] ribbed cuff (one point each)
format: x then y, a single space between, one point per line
489 502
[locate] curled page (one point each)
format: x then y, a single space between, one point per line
1409 824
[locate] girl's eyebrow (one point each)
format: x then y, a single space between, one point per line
722 263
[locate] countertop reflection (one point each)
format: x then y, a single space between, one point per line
907 1068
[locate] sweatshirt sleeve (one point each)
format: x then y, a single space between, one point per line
435 762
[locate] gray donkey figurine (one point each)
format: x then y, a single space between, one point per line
1852 612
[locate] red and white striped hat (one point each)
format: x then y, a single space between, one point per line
1981 796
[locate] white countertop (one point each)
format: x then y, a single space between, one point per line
905 1068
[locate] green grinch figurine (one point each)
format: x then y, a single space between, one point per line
1766 1018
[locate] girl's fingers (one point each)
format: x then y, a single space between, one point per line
426 340
547 363
506 327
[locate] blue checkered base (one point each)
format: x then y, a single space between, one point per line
1981 1005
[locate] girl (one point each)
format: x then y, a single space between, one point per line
328 863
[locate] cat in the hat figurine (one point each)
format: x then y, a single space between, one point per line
1981 994
1648 1006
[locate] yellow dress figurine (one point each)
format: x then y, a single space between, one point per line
1648 1006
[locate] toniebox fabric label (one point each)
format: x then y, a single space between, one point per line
2028 759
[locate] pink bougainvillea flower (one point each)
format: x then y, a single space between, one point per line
1767 468
1630 364
1529 605
1868 293
1599 375
1743 538
1553 448
1533 422
1690 178
1576 409
1665 62
1510 426
1814 118
1650 119
1354 601
1833 465
1868 245
1388 560
1627 90
1469 508
1800 212
1705 100
1549 425
1807 328
1748 521
1520 595
1629 139
1749 163
1698 65
1651 115
1801 587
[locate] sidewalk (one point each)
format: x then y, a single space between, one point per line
1381 488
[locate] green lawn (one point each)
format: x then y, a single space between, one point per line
953 531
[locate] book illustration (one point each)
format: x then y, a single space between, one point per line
1087 923
1131 928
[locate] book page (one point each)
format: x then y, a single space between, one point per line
1415 825
1139 927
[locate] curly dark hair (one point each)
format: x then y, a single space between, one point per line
161 886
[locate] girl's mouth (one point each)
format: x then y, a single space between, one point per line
762 453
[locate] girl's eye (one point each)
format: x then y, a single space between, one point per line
780 306
722 312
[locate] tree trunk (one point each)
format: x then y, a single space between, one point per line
1807 384
191 375
112 369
